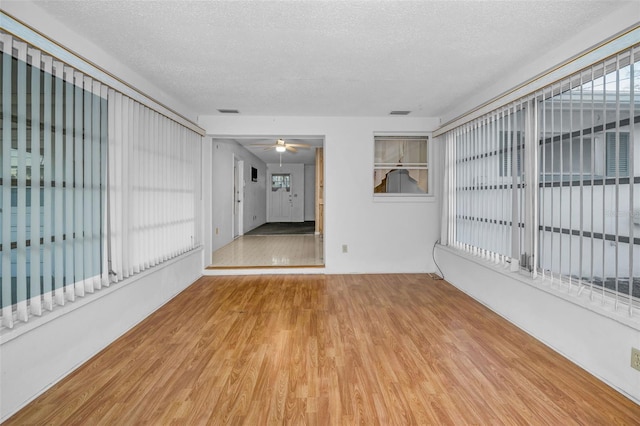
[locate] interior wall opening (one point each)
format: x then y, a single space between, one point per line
267 201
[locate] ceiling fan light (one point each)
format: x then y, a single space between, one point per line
280 148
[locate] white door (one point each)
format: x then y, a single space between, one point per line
281 198
238 192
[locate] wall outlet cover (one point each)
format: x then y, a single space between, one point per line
635 358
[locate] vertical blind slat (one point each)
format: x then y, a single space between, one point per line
59 177
7 95
85 191
35 300
581 254
47 164
78 185
95 203
617 179
604 187
570 198
592 223
21 179
69 211
114 193
634 213
105 253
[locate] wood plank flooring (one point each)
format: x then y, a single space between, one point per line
327 350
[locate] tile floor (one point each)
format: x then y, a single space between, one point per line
271 251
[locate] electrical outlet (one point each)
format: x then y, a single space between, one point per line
345 248
635 358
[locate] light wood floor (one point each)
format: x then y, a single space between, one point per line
271 251
327 350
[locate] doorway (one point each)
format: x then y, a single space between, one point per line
253 186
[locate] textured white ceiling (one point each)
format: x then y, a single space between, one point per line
270 156
324 58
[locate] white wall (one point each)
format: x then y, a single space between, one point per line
381 236
35 359
309 192
218 190
255 201
599 342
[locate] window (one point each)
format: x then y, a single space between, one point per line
587 236
73 222
401 165
53 175
486 185
510 148
584 157
281 181
567 212
617 154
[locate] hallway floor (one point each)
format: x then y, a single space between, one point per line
279 251
284 228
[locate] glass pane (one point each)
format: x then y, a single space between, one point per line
281 181
399 150
401 181
400 165
46 109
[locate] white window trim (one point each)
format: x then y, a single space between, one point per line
429 197
600 304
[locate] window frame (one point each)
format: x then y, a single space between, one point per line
129 126
397 196
563 231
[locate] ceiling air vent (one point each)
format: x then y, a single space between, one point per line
400 113
228 111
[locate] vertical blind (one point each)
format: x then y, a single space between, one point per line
53 175
486 162
589 226
154 187
549 183
96 187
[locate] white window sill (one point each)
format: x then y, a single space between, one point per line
20 328
599 304
403 198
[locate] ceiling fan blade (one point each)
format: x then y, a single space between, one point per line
299 145
262 144
292 149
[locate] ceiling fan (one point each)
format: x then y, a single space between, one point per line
282 146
